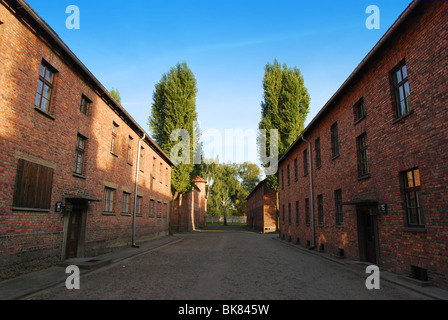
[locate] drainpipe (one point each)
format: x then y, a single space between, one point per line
313 245
136 190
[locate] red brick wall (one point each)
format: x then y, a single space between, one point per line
255 209
418 140
29 134
193 210
261 209
201 205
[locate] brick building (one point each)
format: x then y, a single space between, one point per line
193 210
368 177
261 209
78 175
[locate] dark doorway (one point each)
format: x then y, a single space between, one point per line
367 235
73 233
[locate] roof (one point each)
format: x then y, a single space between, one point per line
256 188
413 7
199 179
32 20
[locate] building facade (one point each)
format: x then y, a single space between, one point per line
368 178
262 209
78 175
190 210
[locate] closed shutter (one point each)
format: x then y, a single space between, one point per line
33 186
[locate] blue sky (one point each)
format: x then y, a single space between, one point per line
130 44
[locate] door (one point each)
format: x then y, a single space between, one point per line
367 236
73 234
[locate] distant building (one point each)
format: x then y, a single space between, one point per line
368 177
70 155
193 210
262 209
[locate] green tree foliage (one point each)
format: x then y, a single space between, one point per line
285 107
225 187
116 95
174 107
249 176
228 186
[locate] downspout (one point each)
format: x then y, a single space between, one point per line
136 190
313 245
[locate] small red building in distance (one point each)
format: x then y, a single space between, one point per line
261 209
193 211
368 177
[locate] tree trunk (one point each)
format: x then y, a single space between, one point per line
225 216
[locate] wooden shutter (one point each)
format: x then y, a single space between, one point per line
33 186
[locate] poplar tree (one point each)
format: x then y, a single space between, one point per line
285 107
225 187
116 95
174 107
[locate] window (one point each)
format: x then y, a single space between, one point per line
159 209
359 110
338 205
142 153
402 91
307 211
113 145
166 177
85 105
165 210
130 153
320 209
363 156
154 168
161 172
334 140
34 184
139 205
79 155
412 185
305 162
45 87
297 213
318 158
109 200
283 216
126 202
283 181
288 171
296 170
289 213
151 207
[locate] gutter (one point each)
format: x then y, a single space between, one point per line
313 244
136 190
